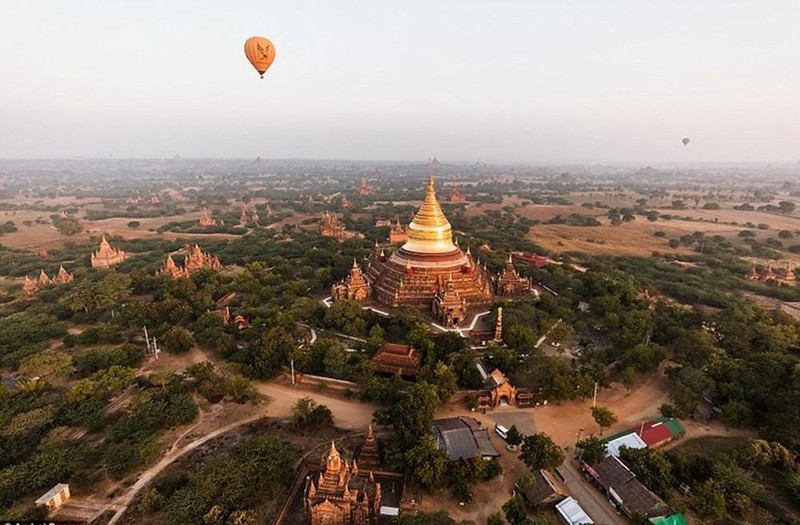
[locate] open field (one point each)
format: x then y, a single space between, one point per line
38 236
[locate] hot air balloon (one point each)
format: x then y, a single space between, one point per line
260 52
685 140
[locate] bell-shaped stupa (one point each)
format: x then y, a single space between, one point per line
429 270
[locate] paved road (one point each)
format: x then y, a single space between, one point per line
590 499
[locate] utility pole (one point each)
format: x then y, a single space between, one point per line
594 397
147 340
292 363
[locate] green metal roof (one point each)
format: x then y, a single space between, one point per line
674 426
675 519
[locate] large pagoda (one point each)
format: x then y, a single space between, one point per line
429 271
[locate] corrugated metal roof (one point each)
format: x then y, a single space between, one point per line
630 440
455 437
573 513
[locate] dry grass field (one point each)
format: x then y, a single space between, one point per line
38 236
636 238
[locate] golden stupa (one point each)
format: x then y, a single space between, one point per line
430 271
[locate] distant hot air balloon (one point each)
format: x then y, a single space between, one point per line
685 140
260 52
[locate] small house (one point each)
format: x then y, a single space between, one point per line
55 497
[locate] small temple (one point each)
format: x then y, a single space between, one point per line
106 256
341 494
244 218
207 220
353 287
786 277
344 203
498 391
369 454
398 234
509 283
429 271
455 195
195 261
331 227
363 189
395 358
31 286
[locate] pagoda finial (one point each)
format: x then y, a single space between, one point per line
509 260
333 451
431 188
355 264
370 432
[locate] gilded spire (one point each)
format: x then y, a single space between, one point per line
429 231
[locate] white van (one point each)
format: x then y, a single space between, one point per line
501 431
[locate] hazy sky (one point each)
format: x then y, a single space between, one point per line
535 80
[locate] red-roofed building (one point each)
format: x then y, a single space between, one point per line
394 358
655 434
536 261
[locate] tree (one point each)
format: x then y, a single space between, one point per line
69 226
495 519
593 450
443 378
46 365
345 316
112 289
515 510
539 451
514 436
652 467
412 416
792 486
708 499
604 417
271 352
177 340
336 360
426 464
308 415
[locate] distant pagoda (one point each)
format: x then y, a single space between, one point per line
398 234
330 226
455 195
207 220
196 260
31 286
106 256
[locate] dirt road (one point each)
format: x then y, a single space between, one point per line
347 414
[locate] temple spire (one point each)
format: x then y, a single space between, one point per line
429 230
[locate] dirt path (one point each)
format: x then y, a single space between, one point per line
347 415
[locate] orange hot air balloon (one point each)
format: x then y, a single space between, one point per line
260 52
